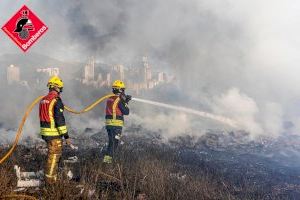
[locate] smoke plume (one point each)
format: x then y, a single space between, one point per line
238 59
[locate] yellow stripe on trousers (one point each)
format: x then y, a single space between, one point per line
53 163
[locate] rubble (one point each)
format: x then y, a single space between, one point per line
71 168
28 179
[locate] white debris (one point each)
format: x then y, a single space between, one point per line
19 189
73 159
69 167
70 174
28 179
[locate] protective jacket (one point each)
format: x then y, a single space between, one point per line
52 120
115 111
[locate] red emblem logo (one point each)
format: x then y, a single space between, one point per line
24 28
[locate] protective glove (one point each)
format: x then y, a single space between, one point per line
127 98
123 97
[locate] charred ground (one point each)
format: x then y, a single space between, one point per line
214 166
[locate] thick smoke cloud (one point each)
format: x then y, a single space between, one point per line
245 111
235 58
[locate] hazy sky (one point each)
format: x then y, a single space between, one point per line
240 58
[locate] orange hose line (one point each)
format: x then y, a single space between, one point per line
19 132
90 107
28 111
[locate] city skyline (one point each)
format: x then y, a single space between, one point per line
119 71
140 76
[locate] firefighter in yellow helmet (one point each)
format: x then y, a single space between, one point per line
53 126
116 108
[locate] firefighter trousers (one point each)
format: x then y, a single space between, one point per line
113 141
53 157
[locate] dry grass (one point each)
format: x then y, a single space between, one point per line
7 181
148 172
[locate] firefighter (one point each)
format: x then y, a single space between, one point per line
53 127
116 108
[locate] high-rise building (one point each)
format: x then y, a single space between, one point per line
108 79
89 71
162 77
51 71
147 70
120 70
54 71
13 74
99 77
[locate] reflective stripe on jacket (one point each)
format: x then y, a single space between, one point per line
115 109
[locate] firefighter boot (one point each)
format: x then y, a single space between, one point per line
107 159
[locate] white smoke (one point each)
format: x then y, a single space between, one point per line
168 125
238 58
80 123
249 116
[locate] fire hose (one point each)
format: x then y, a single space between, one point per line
19 133
28 111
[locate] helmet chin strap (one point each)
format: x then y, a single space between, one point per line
118 91
57 89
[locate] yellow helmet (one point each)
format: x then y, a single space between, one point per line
55 81
118 84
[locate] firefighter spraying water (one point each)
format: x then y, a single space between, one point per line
125 100
116 108
54 130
